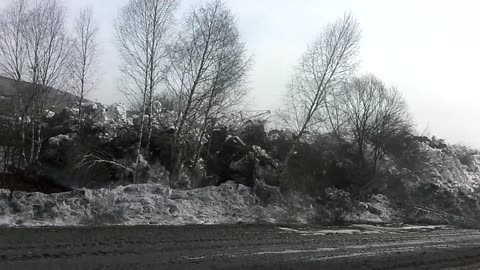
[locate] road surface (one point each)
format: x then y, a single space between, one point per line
239 247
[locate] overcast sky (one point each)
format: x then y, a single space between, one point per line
429 49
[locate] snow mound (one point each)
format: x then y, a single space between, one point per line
442 168
445 170
117 112
143 204
377 209
61 139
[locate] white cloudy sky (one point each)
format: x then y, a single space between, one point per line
428 48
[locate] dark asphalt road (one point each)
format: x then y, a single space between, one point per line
238 247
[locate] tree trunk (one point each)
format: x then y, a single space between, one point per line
39 142
139 144
149 132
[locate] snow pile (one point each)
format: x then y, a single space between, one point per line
447 171
49 114
440 167
61 139
96 111
439 186
144 204
338 206
117 112
376 210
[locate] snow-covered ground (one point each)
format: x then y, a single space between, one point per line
148 204
364 229
443 169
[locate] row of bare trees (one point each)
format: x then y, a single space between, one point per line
37 48
142 30
200 66
324 96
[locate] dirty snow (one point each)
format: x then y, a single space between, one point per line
49 114
294 251
444 170
62 138
399 229
364 229
117 112
321 232
229 203
377 209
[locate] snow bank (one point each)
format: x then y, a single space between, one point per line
321 231
377 209
443 169
144 204
117 112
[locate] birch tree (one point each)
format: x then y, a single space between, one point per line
12 43
142 35
208 66
85 53
12 64
48 56
326 63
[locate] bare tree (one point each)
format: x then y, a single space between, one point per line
327 63
362 98
206 73
12 43
392 120
48 50
141 33
373 113
33 48
335 116
85 50
12 62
